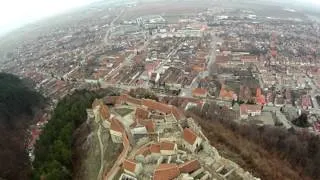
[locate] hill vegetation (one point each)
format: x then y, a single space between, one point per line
268 152
18 104
15 98
54 153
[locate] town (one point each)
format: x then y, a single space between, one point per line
264 68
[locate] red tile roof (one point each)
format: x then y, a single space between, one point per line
129 165
121 99
247 108
155 148
199 92
150 126
222 59
177 113
249 58
167 145
141 113
133 100
166 172
226 94
116 125
189 136
189 166
104 110
154 105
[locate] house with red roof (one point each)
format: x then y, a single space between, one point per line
157 106
101 112
190 140
150 126
105 115
260 98
247 110
247 59
168 148
189 166
200 92
226 94
141 113
131 167
166 172
154 149
222 59
177 113
116 130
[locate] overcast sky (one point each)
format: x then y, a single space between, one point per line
15 13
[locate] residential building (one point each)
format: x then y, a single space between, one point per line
155 149
247 110
166 172
131 167
116 130
191 141
189 166
141 113
200 92
168 148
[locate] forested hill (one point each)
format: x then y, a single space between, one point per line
16 98
17 105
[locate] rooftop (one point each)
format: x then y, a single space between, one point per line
115 125
189 136
166 172
167 145
129 165
189 166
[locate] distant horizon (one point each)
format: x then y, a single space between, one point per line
38 10
13 17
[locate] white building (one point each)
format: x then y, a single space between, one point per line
190 140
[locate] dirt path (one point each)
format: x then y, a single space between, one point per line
101 153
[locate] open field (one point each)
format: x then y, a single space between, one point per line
164 8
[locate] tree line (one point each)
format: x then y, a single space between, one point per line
300 149
16 98
53 151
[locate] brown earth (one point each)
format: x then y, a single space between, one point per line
14 161
86 148
247 154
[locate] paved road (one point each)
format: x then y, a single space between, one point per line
187 92
106 38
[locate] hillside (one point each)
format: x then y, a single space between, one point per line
18 103
56 153
268 152
87 152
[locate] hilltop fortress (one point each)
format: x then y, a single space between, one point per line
159 142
